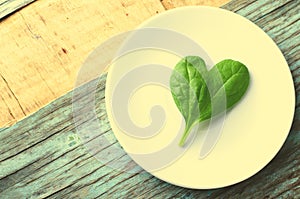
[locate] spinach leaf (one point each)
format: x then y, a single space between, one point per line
235 81
189 91
199 94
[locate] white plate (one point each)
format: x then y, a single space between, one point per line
253 132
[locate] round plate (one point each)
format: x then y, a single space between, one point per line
253 132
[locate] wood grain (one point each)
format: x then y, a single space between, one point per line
170 4
44 45
43 157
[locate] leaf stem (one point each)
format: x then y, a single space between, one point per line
185 135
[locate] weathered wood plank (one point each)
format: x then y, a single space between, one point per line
53 38
9 6
52 162
44 44
170 4
277 31
259 9
234 6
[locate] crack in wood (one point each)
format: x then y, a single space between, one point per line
273 9
241 6
10 112
4 2
122 181
45 81
27 148
163 4
81 187
33 35
6 83
21 173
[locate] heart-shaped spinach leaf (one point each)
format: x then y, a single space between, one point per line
200 94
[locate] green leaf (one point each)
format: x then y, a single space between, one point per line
189 91
236 78
200 94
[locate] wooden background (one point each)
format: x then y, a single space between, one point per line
42 155
44 44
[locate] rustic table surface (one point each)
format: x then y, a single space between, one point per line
47 41
42 155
